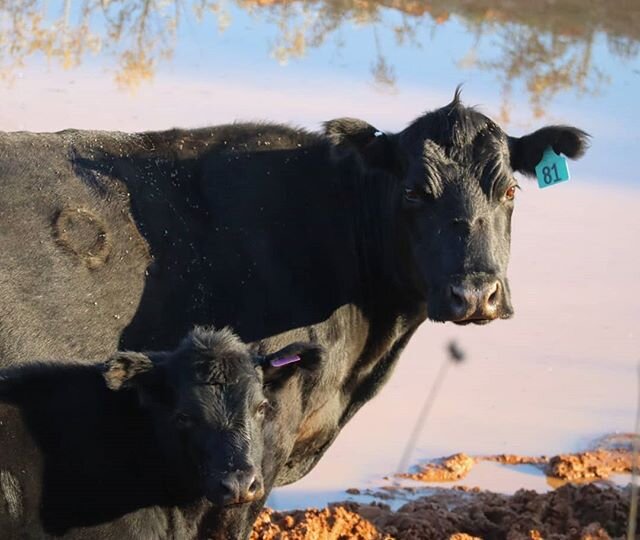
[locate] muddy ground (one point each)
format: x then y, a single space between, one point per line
586 510
583 466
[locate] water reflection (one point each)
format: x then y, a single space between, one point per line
548 46
140 33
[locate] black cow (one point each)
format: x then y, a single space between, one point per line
167 448
350 238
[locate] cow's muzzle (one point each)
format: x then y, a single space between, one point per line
478 301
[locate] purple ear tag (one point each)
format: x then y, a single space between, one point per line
279 362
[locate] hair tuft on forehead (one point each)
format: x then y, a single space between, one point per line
209 340
217 355
454 127
457 101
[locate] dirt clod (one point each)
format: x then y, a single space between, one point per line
445 470
589 465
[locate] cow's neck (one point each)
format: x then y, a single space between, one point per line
364 340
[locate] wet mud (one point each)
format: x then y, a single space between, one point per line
572 512
610 455
584 505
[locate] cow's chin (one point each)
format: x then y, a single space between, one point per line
218 502
473 321
506 314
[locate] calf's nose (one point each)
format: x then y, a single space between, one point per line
241 486
475 303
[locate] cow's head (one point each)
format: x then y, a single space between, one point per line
452 195
207 403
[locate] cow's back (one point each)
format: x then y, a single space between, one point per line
73 263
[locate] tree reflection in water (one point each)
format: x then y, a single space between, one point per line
547 45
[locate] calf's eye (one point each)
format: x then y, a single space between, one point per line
510 193
411 195
183 420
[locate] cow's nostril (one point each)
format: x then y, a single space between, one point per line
254 486
494 295
230 490
458 300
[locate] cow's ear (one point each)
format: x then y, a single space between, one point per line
352 137
526 152
281 365
124 369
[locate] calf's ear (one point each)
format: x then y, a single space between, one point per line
5 386
122 368
277 367
373 148
526 152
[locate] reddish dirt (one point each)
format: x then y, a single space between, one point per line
589 465
333 523
444 470
584 512
612 457
515 459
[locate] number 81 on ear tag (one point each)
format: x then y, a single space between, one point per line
552 169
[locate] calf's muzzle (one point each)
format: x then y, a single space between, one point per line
241 486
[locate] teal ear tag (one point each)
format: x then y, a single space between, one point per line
552 169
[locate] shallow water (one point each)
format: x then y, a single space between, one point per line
562 372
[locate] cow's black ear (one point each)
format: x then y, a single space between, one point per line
121 370
277 367
526 152
373 148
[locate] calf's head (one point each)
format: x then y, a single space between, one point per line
208 407
451 199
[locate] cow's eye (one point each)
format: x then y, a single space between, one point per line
183 420
510 193
262 408
411 195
